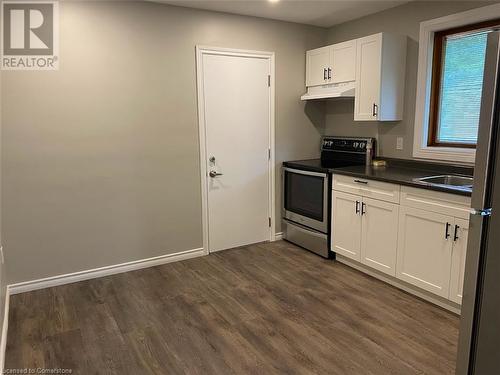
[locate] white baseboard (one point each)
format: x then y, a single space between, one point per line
69 278
5 328
437 300
278 236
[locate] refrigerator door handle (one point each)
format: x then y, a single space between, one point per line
485 212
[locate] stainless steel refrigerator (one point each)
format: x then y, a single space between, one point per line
479 340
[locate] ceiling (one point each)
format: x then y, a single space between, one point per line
323 13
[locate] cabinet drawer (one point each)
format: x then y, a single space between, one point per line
436 201
368 188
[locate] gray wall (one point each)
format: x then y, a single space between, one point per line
101 158
403 20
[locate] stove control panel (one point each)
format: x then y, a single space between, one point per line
358 145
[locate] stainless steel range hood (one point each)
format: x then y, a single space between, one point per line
331 91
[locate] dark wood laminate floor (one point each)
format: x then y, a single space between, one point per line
262 309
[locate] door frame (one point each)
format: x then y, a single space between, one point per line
270 56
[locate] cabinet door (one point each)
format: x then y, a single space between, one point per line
424 250
343 62
461 230
346 225
368 78
379 235
317 64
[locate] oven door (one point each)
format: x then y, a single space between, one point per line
305 198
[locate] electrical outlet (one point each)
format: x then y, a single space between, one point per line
399 143
1 255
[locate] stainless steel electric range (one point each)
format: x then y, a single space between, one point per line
306 208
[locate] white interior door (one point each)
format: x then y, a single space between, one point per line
237 129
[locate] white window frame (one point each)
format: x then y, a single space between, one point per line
425 54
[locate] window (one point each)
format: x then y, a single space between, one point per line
457 81
450 68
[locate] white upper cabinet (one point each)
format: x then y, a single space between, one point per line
380 78
368 77
331 64
375 64
343 62
317 64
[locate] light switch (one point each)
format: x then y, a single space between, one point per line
399 143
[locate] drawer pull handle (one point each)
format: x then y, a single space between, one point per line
361 182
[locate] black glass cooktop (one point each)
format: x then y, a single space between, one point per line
316 165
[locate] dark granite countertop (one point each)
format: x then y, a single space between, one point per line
399 175
398 171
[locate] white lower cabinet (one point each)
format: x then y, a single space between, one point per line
420 239
346 225
365 230
460 235
424 249
379 235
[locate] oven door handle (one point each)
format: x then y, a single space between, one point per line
306 173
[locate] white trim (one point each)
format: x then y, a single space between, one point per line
200 51
437 300
74 277
425 52
278 236
272 146
5 328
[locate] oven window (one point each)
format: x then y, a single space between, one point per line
304 195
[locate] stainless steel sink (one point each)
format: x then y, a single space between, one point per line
451 181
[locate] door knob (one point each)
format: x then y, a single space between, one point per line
214 174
